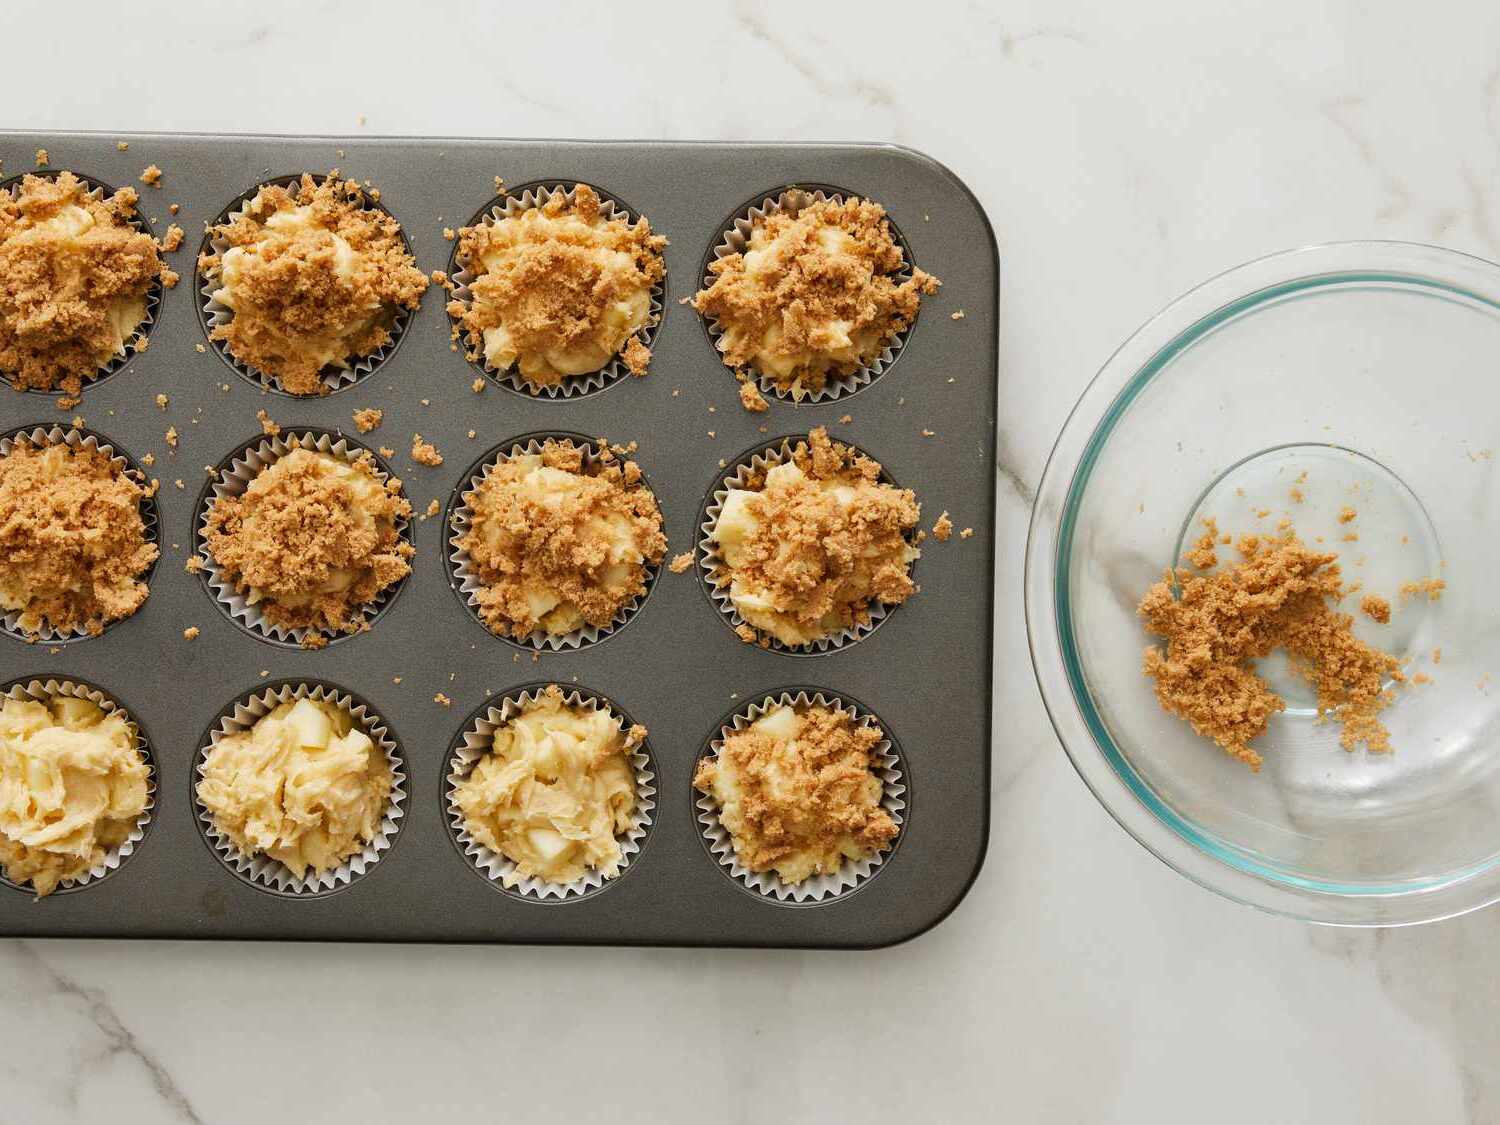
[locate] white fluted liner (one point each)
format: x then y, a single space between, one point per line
461 566
571 386
215 314
478 740
853 873
232 480
10 620
711 559
736 238
98 191
42 690
274 874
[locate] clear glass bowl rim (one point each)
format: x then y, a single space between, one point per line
1170 837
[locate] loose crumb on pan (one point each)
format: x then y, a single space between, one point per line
171 436
1376 608
943 528
312 277
424 452
477 385
681 563
816 294
162 401
151 176
190 633
387 452
173 238
442 700
368 419
1347 515
76 277
751 398
1277 595
958 315
432 509
966 533
1432 587
73 546
42 158
267 427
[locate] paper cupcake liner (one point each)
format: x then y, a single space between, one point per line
736 237
40 691
465 581
232 477
710 560
507 206
853 873
212 314
10 620
99 190
273 875
477 739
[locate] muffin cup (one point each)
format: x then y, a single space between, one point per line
852 874
232 478
99 190
710 560
42 690
525 198
477 739
465 580
272 875
10 620
212 314
735 238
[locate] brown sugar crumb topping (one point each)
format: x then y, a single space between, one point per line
751 398
1278 595
312 540
424 452
814 294
824 543
1376 608
312 287
1432 587
558 540
557 297
368 419
76 275
800 805
73 544
681 563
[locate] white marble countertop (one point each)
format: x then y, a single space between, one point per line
1124 152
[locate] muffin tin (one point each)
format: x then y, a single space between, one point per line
925 674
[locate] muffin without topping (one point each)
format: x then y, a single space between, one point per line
313 278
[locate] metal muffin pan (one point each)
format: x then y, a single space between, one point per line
925 673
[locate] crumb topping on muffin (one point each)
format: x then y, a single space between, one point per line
72 786
808 546
304 785
797 791
813 295
558 540
313 278
73 543
76 275
559 290
312 540
555 792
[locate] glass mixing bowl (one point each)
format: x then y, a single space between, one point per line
1359 375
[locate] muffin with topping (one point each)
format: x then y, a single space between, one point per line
802 550
74 546
77 273
814 291
560 538
558 290
308 279
313 541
